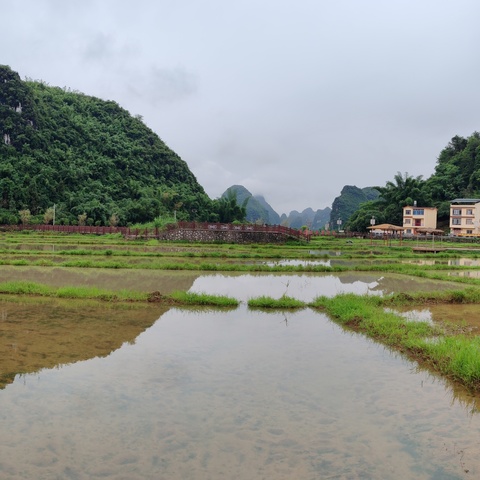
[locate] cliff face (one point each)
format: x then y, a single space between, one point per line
17 114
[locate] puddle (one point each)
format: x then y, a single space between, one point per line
461 318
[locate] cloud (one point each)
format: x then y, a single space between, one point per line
100 47
293 101
160 85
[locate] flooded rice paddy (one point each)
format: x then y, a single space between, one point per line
234 394
239 285
143 392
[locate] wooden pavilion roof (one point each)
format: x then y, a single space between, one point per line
386 227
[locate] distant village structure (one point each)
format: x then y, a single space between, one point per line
419 219
465 216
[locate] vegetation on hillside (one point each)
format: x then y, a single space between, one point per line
348 202
91 159
256 208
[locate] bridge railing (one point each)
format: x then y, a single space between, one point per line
154 232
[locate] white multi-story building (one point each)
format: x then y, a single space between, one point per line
465 216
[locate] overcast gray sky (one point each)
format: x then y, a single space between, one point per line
292 99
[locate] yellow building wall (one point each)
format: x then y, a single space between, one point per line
412 220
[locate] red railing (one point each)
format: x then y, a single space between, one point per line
85 229
154 232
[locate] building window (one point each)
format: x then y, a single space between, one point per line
469 211
408 212
457 211
407 221
418 211
456 221
469 231
469 221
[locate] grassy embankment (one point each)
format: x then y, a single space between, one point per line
93 293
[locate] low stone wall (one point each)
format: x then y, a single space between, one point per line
223 236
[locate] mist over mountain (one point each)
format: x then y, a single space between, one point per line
260 211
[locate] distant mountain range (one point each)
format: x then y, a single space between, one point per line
343 206
260 211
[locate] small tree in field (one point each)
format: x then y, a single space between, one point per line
25 216
48 216
82 219
114 220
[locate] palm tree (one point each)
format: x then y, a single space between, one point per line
402 191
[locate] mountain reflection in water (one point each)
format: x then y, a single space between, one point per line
48 333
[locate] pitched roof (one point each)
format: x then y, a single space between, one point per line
385 226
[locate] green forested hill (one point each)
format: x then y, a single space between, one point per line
257 209
87 156
350 199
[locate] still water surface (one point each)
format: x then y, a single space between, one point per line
242 286
238 394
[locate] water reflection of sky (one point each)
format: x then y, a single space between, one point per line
301 287
308 286
238 395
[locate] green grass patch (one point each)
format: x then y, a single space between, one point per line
24 288
31 288
468 295
269 302
200 299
